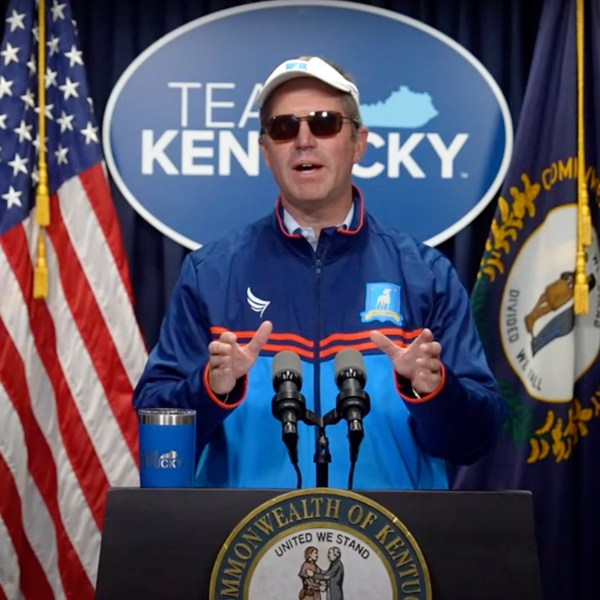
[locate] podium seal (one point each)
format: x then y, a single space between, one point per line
320 544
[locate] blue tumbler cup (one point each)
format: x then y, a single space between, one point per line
167 447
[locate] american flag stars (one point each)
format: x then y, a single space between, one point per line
73 142
10 54
16 21
5 87
12 197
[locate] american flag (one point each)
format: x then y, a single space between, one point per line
68 362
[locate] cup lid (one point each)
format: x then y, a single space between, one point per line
166 416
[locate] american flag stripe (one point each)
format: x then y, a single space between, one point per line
105 431
68 362
36 523
80 452
59 488
107 282
95 186
111 446
36 584
82 302
9 565
32 577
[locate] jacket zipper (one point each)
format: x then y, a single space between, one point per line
317 363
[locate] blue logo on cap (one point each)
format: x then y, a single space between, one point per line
295 66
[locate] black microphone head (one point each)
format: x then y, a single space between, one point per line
350 363
286 367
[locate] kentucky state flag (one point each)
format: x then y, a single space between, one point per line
545 357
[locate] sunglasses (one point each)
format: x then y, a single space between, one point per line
320 122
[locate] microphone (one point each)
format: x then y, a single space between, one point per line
288 404
352 403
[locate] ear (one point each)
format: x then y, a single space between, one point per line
360 144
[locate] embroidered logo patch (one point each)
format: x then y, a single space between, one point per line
382 303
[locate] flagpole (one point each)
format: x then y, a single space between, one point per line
42 197
584 227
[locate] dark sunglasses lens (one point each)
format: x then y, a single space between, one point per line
325 123
322 123
284 127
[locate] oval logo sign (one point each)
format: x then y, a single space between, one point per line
181 125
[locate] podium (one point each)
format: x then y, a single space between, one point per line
162 543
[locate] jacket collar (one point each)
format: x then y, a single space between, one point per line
333 241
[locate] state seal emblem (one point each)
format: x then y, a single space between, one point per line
320 544
543 342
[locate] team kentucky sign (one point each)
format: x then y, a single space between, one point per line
181 125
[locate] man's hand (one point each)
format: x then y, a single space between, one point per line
419 363
228 361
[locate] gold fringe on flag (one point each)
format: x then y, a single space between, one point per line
42 196
584 222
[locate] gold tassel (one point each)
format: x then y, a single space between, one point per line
585 218
42 199
40 273
582 302
581 291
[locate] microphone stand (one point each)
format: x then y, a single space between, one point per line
322 458
322 455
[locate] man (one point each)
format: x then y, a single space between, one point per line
311 588
308 278
334 575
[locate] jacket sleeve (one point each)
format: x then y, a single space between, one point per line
459 421
175 374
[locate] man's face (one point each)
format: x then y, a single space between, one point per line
314 555
331 555
312 172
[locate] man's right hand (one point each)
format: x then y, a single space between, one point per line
228 361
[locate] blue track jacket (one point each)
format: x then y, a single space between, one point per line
359 279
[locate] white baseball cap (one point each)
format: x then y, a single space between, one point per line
313 67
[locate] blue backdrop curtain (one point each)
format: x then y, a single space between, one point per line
113 32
